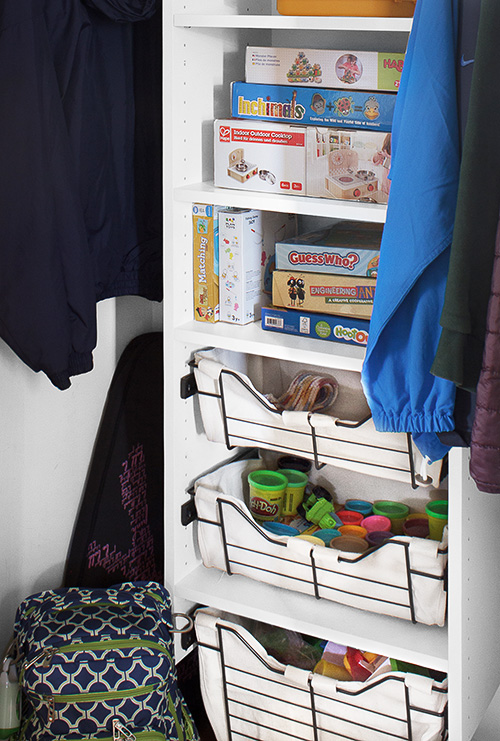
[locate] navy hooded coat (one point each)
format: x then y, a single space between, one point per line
69 236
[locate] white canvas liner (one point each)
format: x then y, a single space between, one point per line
403 578
250 695
236 413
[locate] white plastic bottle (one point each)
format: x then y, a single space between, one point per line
9 692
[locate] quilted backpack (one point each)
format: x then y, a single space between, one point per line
98 664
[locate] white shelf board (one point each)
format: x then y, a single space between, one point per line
414 643
335 209
254 340
323 23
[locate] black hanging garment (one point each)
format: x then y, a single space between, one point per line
118 534
73 222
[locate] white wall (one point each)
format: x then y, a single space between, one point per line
46 441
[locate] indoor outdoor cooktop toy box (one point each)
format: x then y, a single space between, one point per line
345 164
257 155
349 165
320 106
362 70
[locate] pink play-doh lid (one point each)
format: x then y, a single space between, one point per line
376 523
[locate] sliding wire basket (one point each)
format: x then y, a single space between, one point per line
250 695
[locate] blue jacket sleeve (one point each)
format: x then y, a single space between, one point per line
404 330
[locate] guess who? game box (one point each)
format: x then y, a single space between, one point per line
346 248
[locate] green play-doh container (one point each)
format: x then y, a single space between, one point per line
395 511
294 492
438 518
267 489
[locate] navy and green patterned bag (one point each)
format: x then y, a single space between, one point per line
98 664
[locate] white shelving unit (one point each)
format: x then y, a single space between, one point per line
203 54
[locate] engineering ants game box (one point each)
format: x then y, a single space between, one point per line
331 294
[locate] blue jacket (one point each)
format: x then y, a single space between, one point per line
67 184
404 330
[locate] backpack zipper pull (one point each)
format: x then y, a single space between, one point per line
46 655
49 655
51 709
120 733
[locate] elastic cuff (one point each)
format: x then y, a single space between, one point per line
417 422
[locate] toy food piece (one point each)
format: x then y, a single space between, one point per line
361 665
332 670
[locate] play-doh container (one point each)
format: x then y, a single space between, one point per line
267 489
376 522
395 511
294 492
438 518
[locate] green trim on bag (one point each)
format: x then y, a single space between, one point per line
78 605
103 645
171 708
141 736
102 696
188 723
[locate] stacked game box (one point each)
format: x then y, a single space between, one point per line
324 283
310 122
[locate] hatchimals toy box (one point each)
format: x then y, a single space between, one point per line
348 164
346 248
362 70
258 155
320 106
315 325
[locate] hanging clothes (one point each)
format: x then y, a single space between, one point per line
404 330
485 442
460 351
68 227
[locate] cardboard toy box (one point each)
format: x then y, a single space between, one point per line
240 258
315 325
258 155
206 262
275 227
346 248
330 294
320 106
361 70
348 164
368 8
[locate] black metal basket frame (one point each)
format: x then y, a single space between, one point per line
406 591
311 699
189 388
